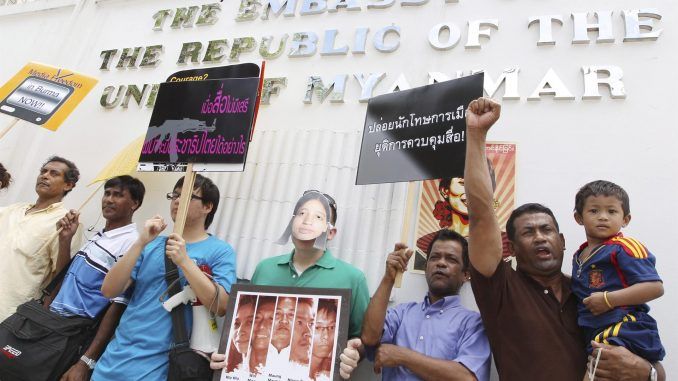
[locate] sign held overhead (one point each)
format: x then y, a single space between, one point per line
417 134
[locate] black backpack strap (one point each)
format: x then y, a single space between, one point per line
56 281
178 317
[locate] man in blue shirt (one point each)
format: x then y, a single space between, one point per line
143 339
433 339
80 292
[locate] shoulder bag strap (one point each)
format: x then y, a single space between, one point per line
178 317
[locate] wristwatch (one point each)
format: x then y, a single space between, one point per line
90 364
653 373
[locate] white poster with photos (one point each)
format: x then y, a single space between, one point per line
284 333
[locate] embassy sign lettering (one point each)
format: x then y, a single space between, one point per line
592 27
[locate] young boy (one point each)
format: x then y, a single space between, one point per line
614 276
310 264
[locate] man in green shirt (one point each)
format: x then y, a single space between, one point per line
310 264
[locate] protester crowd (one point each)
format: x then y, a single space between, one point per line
536 322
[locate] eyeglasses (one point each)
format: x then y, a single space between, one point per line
329 198
329 329
174 195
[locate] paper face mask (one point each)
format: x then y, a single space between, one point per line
311 220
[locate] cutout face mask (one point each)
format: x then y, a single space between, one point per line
311 220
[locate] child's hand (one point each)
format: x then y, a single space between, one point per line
596 303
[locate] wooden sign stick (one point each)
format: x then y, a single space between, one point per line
184 200
9 127
407 221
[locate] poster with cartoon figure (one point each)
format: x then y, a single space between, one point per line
442 202
284 333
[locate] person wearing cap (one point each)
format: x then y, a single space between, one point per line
311 264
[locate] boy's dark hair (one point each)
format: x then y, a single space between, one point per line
327 305
530 208
451 235
307 301
5 177
601 188
72 174
247 300
133 185
210 194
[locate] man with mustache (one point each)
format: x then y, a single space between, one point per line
30 254
436 339
530 313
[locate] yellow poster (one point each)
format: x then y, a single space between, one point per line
442 202
124 163
44 95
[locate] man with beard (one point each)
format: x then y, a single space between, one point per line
261 337
323 339
534 301
29 251
435 339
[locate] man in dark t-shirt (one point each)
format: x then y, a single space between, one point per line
530 313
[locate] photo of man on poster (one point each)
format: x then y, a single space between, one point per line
293 335
279 350
301 338
323 339
242 330
261 337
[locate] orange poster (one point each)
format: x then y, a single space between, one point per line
442 202
43 94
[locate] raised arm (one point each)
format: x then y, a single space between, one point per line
373 324
485 247
119 276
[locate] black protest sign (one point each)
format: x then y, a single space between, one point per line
201 122
417 134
